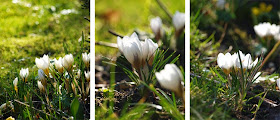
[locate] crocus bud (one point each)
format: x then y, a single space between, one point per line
225 62
156 25
58 65
73 88
41 76
278 83
41 87
170 78
178 21
68 61
86 58
24 74
79 74
87 76
15 82
43 63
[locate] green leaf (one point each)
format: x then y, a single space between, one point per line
76 109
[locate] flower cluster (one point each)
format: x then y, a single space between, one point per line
228 61
266 29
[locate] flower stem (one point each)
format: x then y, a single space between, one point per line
270 53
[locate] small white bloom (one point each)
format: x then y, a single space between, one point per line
178 20
79 73
40 86
86 58
24 74
87 76
156 25
278 82
170 77
41 74
15 82
225 62
68 61
43 63
58 65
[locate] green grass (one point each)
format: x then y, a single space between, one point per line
127 16
28 32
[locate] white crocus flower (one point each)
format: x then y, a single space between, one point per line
15 82
178 20
274 29
278 83
156 26
152 51
40 86
68 61
41 76
78 73
262 29
131 48
225 62
43 63
58 65
135 52
86 58
246 61
24 74
266 29
170 78
87 76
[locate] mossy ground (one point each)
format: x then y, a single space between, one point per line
31 28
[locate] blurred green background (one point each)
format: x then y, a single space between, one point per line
31 28
124 16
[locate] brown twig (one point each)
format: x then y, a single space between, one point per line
107 44
270 53
114 33
223 34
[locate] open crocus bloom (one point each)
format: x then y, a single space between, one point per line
24 74
156 24
225 62
170 78
43 63
246 61
68 61
135 51
178 20
58 65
